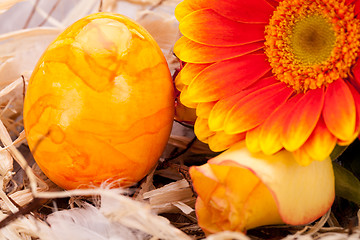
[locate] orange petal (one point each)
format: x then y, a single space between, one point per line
253 139
208 27
201 129
356 74
302 194
271 129
302 120
190 51
274 3
221 141
254 11
203 109
339 110
184 114
188 6
189 72
179 86
184 98
228 77
320 143
253 109
356 96
302 157
222 107
357 8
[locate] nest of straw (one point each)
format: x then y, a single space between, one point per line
161 206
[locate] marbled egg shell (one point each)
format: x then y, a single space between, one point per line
100 103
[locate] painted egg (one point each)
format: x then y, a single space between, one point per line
100 103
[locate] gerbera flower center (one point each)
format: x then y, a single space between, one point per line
312 40
310 44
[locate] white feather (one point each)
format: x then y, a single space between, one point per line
88 223
117 217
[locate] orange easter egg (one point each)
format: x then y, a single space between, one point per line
100 103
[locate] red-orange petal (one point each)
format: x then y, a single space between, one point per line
184 114
221 141
210 28
356 96
320 143
274 3
201 129
254 11
339 110
185 100
253 109
189 72
302 157
253 139
228 77
355 80
179 86
192 52
271 129
203 109
188 6
357 8
222 107
302 120
220 110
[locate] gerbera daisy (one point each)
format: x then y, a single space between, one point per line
277 74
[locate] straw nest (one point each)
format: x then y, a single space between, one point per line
161 206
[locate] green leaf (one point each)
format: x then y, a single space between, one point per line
338 150
346 184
